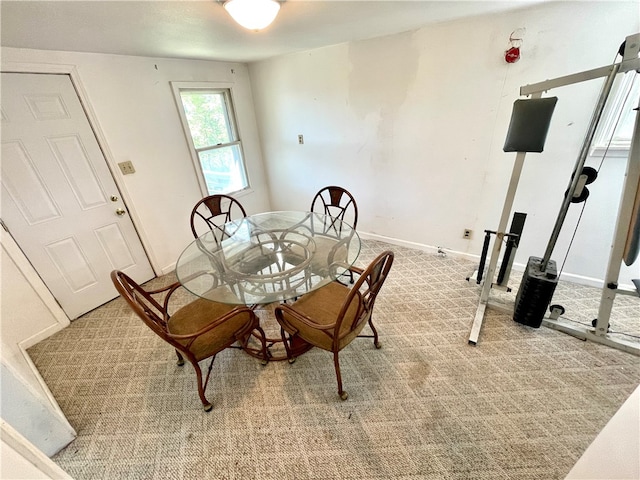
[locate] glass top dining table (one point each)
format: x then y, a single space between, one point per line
268 257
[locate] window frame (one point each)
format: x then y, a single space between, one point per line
604 142
226 89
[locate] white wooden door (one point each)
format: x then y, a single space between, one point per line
59 200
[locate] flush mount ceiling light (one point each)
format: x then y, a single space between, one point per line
253 14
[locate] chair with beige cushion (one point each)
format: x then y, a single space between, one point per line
334 315
197 331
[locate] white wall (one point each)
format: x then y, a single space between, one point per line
413 125
31 415
23 313
20 459
28 313
132 100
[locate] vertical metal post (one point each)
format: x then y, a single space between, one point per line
623 224
497 243
584 151
502 227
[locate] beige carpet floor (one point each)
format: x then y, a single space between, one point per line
522 404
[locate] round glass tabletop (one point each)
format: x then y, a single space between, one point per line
268 257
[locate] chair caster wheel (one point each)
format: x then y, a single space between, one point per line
208 407
180 363
264 362
344 395
378 345
292 360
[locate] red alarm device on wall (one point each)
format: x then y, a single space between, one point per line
512 55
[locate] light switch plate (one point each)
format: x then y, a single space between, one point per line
127 168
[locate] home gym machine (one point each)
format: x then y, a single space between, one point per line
527 132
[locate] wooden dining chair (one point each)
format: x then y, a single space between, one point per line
337 203
331 317
212 213
339 208
197 331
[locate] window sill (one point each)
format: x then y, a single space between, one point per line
618 152
240 193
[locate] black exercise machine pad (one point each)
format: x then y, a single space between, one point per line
529 125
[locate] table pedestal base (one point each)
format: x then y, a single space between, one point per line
275 347
297 347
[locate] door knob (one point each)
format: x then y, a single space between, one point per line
114 198
120 211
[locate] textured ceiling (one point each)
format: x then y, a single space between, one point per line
202 29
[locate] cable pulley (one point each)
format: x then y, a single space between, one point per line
581 193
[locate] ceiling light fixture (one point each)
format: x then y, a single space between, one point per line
253 14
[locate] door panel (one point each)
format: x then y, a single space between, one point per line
57 194
39 206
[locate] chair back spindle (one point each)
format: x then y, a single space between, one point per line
365 292
212 213
338 204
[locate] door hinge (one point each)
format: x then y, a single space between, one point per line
4 226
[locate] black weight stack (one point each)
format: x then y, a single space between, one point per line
535 292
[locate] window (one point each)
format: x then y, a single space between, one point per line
615 128
209 122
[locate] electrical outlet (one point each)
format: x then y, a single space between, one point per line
127 168
467 233
300 139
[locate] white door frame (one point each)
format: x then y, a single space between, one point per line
36 282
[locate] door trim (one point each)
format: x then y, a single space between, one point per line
12 249
72 72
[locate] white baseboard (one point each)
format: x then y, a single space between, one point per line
41 335
168 269
517 267
418 246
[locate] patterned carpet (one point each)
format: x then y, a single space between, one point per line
522 404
